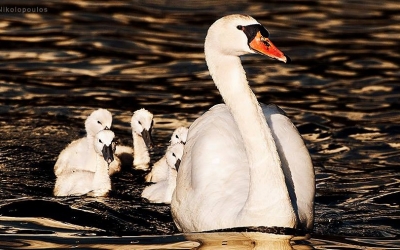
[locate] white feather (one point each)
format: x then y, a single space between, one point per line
141 123
74 155
161 192
159 170
81 181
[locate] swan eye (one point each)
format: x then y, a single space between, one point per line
173 154
176 136
100 141
139 123
239 27
99 122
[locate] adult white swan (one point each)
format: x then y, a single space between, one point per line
245 163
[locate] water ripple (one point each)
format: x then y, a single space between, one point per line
341 91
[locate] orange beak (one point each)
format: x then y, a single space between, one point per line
264 46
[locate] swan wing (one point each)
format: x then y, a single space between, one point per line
73 183
71 157
213 192
159 171
296 163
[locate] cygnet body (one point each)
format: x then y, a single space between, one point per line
161 192
159 170
141 124
82 181
74 155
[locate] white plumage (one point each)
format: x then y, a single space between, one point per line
161 192
82 181
179 135
244 163
74 155
159 170
141 124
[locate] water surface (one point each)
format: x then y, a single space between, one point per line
341 90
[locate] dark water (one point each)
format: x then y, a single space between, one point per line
56 66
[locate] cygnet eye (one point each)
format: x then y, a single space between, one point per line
100 141
99 122
173 154
139 122
176 136
239 27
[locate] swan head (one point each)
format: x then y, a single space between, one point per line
105 145
98 120
239 35
142 124
179 135
174 155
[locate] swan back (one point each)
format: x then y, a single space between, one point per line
296 163
98 120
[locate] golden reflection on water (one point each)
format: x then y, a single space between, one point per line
245 240
207 241
341 88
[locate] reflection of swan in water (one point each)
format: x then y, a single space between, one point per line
161 192
159 170
244 241
94 183
98 120
245 164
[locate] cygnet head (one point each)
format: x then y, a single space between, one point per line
142 124
174 155
239 35
104 145
98 120
179 135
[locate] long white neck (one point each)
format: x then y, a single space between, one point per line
267 181
141 157
171 184
89 141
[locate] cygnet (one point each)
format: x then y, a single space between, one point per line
71 157
141 124
93 183
159 170
161 192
